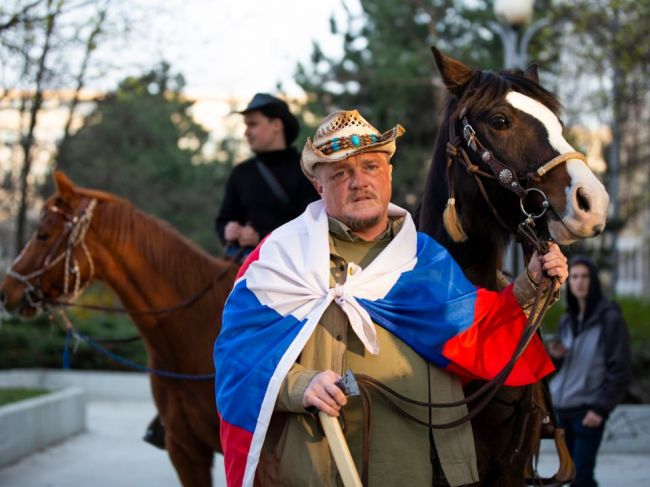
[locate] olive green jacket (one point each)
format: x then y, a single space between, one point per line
295 451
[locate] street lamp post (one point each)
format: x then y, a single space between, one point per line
516 31
514 16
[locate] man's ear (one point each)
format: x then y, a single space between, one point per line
317 185
454 74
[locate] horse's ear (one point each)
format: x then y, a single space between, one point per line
454 74
531 73
64 186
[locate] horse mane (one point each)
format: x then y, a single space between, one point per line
186 265
479 95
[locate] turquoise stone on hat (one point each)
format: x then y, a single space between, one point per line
355 140
373 138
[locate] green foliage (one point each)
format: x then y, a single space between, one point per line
40 342
387 72
636 312
141 143
15 394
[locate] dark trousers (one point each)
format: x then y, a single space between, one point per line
583 444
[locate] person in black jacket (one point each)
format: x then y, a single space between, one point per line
262 192
592 353
268 189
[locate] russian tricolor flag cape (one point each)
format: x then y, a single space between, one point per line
414 289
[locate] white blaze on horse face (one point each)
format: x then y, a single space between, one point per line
586 198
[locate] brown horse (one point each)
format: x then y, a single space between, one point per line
86 235
500 137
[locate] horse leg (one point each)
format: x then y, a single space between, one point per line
194 468
502 432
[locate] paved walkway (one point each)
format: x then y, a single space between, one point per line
111 453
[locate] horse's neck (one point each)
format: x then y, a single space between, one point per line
480 260
481 256
146 280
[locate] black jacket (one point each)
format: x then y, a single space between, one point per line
249 198
597 370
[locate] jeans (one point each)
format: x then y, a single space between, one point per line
583 445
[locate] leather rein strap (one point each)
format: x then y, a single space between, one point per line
507 177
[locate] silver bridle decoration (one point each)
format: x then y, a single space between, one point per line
77 237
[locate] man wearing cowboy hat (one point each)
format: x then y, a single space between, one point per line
268 189
350 284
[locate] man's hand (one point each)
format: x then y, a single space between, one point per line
553 263
231 231
323 393
592 419
248 237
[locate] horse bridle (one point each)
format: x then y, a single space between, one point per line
76 227
504 174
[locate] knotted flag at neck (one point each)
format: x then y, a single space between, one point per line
413 288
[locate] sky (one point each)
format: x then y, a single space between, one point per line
228 48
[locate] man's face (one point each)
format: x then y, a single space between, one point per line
579 280
357 191
264 134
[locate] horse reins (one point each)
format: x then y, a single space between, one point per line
76 227
507 177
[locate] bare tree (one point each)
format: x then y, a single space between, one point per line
80 79
27 140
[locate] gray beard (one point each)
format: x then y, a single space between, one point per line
361 224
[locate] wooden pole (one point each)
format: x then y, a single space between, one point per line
340 450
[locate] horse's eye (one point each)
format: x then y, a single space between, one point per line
42 236
499 122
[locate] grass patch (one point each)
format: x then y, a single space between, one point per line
18 394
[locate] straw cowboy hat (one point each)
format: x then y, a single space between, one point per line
342 134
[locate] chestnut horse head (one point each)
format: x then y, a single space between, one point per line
85 235
500 156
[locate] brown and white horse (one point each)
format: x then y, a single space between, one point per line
500 156
86 235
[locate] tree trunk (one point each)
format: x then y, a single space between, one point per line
27 141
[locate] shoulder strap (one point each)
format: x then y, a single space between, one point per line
273 183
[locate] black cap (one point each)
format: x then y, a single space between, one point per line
273 107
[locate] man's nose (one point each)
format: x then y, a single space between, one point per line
359 179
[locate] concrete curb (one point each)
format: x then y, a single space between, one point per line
33 424
97 385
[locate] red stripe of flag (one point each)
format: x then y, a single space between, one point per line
236 443
483 349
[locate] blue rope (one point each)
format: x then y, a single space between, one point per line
130 363
66 350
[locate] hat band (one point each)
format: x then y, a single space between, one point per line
355 140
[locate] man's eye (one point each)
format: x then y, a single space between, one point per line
338 175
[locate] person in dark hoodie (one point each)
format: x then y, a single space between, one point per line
592 353
268 189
